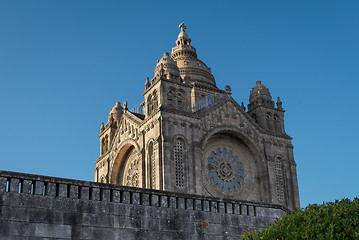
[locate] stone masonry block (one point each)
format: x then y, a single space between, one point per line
82 232
164 201
214 228
62 190
173 202
277 213
104 233
129 222
181 203
95 194
16 230
136 198
3 182
39 187
261 211
251 211
206 206
10 213
116 196
150 224
154 200
74 191
126 197
85 193
106 195
26 186
229 208
50 189
14 185
244 209
53 231
145 199
236 208
198 204
221 207
214 206
189 203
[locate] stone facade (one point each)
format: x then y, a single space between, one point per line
194 138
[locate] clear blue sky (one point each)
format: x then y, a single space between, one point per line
64 64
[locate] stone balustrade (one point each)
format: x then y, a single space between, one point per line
68 188
41 207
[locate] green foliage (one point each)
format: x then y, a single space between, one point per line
338 220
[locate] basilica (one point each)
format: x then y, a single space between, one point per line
194 138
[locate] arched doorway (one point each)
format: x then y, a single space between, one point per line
127 167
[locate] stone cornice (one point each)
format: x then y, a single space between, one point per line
271 108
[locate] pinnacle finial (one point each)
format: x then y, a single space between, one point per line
182 27
147 83
279 103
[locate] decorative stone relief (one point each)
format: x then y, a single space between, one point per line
132 175
152 149
279 180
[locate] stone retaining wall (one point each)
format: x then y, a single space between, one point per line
41 207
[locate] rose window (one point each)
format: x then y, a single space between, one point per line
225 171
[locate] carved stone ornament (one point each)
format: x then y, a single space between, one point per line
132 175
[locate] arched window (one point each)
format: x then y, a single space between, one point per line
155 100
152 166
279 179
170 95
179 162
180 99
107 145
149 104
104 147
276 123
269 121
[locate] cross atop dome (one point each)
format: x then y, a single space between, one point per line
182 27
183 38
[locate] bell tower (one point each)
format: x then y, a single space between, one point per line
261 108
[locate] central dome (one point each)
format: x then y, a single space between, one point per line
188 64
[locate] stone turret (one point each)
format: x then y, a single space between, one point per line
116 112
261 108
260 96
167 68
